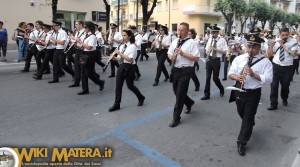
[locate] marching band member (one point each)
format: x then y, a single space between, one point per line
144 45
254 70
138 42
215 48
100 42
184 53
192 35
126 56
59 57
88 58
284 50
162 43
79 36
114 39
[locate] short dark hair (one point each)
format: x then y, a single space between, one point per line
90 25
1 22
80 22
165 30
30 24
284 30
185 24
22 23
39 22
131 36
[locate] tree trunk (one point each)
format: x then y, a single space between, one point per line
54 9
107 8
263 24
147 14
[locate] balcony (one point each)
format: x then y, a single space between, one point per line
201 10
115 2
284 1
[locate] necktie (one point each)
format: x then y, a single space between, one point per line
160 41
250 59
281 54
121 59
214 52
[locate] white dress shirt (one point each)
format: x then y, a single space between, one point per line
189 47
145 37
130 51
291 44
62 36
49 35
263 68
80 34
138 40
221 44
90 40
100 38
117 36
166 40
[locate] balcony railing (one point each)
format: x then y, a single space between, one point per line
200 9
282 0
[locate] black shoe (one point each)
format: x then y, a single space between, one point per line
174 123
111 76
101 86
166 79
224 79
272 107
147 57
37 77
137 77
53 81
61 75
241 150
188 108
24 70
297 73
141 101
47 72
197 89
222 92
141 60
83 93
205 97
73 85
36 74
155 84
114 107
285 103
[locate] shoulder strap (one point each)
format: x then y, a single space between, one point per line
258 60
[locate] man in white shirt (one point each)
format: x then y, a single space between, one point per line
114 40
184 53
144 45
215 48
138 41
251 71
59 58
284 51
100 42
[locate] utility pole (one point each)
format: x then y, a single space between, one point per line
118 16
137 13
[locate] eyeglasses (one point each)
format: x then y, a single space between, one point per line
124 35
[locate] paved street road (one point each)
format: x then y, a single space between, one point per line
35 113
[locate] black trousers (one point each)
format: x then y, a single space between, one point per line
136 67
77 66
126 72
59 61
32 51
113 64
282 75
70 58
181 79
88 71
213 67
296 65
226 64
161 57
99 56
247 104
3 47
38 58
195 79
143 51
45 65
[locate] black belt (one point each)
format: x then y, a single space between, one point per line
252 90
210 58
182 68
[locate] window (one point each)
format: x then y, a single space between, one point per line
174 27
175 4
159 6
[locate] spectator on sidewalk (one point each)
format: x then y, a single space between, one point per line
3 42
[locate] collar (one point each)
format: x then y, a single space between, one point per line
127 43
184 38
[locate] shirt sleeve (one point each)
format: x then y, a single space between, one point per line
234 67
267 76
168 40
194 49
172 48
92 41
119 36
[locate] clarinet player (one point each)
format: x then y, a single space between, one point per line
184 53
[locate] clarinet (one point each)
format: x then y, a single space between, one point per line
174 61
111 57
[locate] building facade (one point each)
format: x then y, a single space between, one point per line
199 14
15 11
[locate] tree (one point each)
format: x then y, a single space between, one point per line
292 19
107 10
260 12
277 16
228 8
147 14
54 9
243 14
